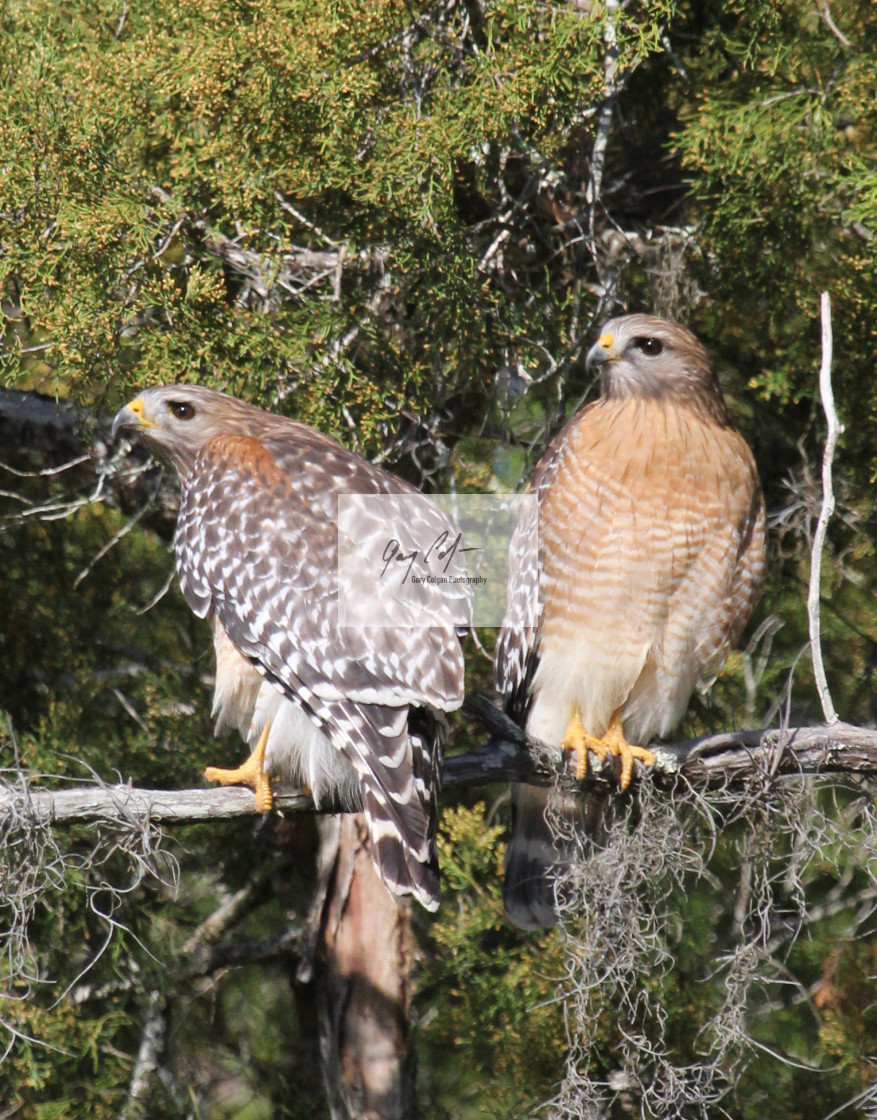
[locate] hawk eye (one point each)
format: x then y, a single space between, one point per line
181 410
650 346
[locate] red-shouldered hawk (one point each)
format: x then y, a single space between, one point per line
337 708
651 555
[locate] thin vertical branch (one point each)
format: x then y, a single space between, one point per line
825 512
614 80
611 86
149 1055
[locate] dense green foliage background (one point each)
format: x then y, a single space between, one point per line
394 221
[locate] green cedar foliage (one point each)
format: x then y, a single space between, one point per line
134 140
492 1019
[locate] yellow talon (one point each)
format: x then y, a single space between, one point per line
613 742
251 773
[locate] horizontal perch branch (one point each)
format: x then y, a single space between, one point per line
712 761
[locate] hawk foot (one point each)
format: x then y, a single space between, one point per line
251 773
613 742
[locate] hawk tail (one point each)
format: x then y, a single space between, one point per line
402 821
400 865
543 845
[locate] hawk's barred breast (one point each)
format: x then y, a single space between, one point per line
650 560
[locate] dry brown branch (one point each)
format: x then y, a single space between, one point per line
365 948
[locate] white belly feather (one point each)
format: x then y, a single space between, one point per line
297 751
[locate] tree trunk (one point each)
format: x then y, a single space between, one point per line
364 952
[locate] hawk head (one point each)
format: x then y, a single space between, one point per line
647 357
175 421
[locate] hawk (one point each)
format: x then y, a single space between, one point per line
342 710
651 554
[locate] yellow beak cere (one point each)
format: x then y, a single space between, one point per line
136 406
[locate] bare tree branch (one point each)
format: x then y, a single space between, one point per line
296 271
825 12
729 758
194 963
149 1055
46 438
834 431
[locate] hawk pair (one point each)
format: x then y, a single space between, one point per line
650 555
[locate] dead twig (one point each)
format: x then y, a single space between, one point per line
827 509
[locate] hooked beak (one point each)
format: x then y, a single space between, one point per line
601 351
132 415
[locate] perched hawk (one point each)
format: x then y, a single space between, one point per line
339 709
651 554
